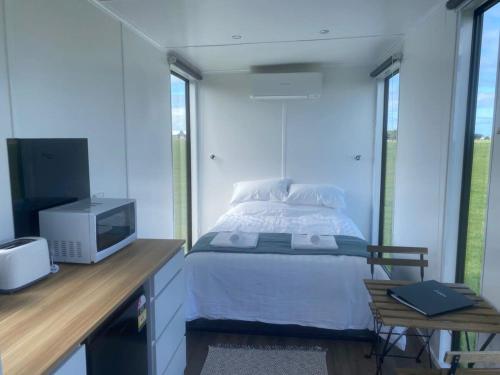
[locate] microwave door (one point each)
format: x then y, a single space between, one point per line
114 226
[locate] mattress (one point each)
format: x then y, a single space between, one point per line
320 291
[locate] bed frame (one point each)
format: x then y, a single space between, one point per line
265 329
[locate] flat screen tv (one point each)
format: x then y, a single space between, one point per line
45 173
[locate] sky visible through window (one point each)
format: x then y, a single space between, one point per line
178 105
393 104
488 72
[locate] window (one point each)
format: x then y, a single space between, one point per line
181 151
389 150
477 151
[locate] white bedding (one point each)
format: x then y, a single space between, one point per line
317 290
278 217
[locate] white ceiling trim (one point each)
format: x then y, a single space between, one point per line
397 47
128 24
354 37
420 21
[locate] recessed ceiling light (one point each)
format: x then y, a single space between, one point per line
324 31
236 36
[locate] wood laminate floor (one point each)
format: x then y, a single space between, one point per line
343 357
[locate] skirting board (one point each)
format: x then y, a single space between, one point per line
265 329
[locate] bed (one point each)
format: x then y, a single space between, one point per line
322 291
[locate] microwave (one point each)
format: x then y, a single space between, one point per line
88 230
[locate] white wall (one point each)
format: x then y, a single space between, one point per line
67 73
149 152
6 223
426 84
244 135
426 91
322 138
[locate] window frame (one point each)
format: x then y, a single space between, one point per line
383 160
468 155
189 240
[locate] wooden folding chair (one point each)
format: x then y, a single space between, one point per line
461 358
377 257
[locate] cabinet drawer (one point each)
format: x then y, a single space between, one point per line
169 340
167 272
178 364
76 364
168 302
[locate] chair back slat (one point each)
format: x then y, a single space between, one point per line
398 262
377 257
473 357
397 249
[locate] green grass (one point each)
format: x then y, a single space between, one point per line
390 173
477 214
180 187
476 226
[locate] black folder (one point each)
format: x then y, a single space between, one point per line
430 298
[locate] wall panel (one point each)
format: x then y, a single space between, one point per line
323 136
66 73
149 128
6 224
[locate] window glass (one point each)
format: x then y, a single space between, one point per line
477 155
180 158
483 129
389 150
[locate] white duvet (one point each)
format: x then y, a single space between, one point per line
278 217
316 291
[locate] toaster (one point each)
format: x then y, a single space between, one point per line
23 261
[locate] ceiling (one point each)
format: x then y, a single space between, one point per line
361 32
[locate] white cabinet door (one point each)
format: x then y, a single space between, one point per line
178 363
166 346
167 273
76 364
168 302
167 322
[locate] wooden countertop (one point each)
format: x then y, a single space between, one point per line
41 325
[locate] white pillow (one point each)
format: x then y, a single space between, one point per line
260 190
316 195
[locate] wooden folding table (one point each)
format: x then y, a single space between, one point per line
389 314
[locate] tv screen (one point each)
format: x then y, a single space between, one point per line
45 173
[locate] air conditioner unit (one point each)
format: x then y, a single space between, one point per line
286 86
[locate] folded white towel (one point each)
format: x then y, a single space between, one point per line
313 241
235 239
